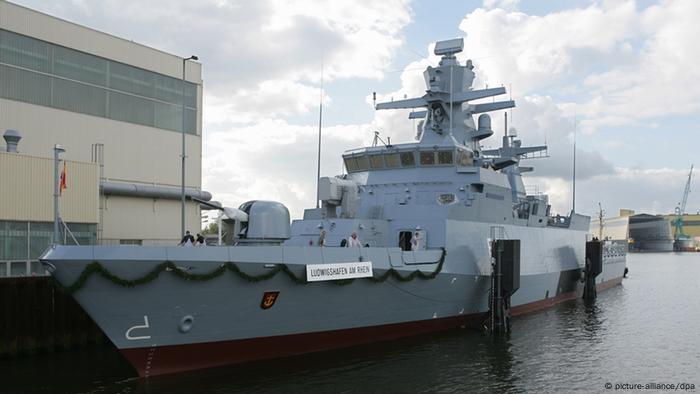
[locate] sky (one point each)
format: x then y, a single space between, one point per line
620 76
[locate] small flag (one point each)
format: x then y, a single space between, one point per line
63 186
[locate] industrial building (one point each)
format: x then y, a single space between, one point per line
653 233
650 233
116 107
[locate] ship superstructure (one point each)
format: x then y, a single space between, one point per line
445 174
416 237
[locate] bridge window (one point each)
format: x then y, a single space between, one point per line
350 164
407 159
362 163
427 158
465 157
391 159
445 157
376 161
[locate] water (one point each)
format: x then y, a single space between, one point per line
645 331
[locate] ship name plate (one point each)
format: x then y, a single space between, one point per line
338 271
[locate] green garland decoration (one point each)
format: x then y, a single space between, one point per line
97 268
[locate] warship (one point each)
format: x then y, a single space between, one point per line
414 238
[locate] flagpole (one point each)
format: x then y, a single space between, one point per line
57 150
573 193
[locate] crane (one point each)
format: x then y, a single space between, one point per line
680 210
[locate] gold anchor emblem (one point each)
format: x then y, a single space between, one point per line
268 299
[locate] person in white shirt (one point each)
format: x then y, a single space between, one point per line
416 241
322 238
354 241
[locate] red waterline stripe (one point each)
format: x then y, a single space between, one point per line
549 302
179 358
152 361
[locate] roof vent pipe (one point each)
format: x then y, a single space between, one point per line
12 138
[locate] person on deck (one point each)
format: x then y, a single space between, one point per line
187 240
354 241
200 240
322 238
416 241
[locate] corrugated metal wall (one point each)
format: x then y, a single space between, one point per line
26 192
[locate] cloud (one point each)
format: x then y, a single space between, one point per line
611 63
243 44
539 121
269 99
631 62
533 52
503 4
654 191
663 80
275 160
658 190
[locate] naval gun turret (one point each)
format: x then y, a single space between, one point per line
256 222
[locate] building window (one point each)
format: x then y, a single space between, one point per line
40 237
78 66
131 242
28 240
18 268
36 269
82 233
38 72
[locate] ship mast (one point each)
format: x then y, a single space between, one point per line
573 194
600 221
444 110
320 123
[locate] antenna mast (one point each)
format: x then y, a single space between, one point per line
510 97
320 123
451 89
600 221
573 200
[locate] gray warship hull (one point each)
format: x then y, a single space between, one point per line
227 325
428 223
